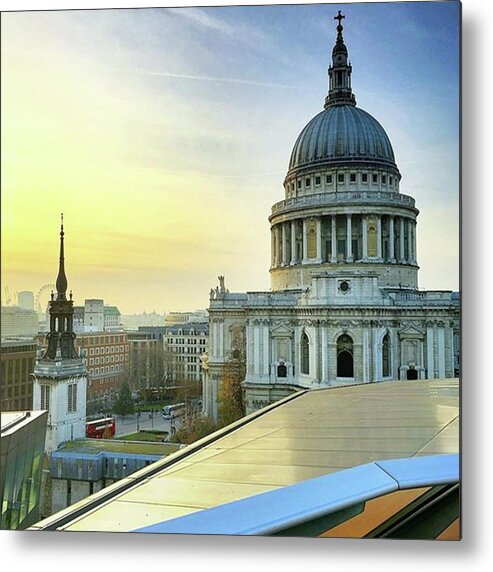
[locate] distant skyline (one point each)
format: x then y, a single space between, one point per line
164 136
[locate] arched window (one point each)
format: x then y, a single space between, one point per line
305 354
386 356
345 364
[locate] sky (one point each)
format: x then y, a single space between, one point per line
164 136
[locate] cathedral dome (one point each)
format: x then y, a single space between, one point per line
342 134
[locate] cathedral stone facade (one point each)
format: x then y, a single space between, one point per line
344 306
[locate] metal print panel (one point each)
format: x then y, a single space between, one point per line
231 270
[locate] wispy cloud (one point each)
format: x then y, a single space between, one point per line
204 78
204 20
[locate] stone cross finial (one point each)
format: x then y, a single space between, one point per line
339 17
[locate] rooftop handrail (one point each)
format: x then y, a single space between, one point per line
280 509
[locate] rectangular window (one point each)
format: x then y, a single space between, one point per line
375 178
72 398
45 397
97 351
352 177
364 178
299 184
390 180
91 361
91 351
308 182
317 180
340 177
384 179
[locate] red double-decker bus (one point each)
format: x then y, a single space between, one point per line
101 428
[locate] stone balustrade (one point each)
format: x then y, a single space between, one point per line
353 197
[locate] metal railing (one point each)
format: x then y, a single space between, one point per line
337 494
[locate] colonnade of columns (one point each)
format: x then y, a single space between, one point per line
346 238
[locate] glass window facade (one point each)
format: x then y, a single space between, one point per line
22 445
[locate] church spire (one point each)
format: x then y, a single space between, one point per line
340 92
61 281
61 336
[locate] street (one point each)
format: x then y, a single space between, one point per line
147 420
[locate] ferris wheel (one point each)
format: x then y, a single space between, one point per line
42 298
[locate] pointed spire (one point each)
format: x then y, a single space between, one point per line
340 92
61 335
61 281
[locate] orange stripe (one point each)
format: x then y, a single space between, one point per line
452 532
376 511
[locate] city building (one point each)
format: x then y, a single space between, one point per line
94 316
146 366
134 321
107 357
22 445
25 300
188 342
16 321
79 312
317 463
344 306
17 361
112 318
183 317
82 468
60 375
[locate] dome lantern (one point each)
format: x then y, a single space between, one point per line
340 92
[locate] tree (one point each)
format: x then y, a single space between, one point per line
230 398
124 405
193 428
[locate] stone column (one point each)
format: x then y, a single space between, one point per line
379 237
402 258
415 254
272 247
349 239
441 352
324 348
319 240
364 226
333 241
410 241
284 246
430 357
305 243
256 348
293 242
266 348
391 239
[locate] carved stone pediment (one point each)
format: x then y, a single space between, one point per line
411 332
281 329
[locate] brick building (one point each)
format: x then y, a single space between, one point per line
17 362
107 356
